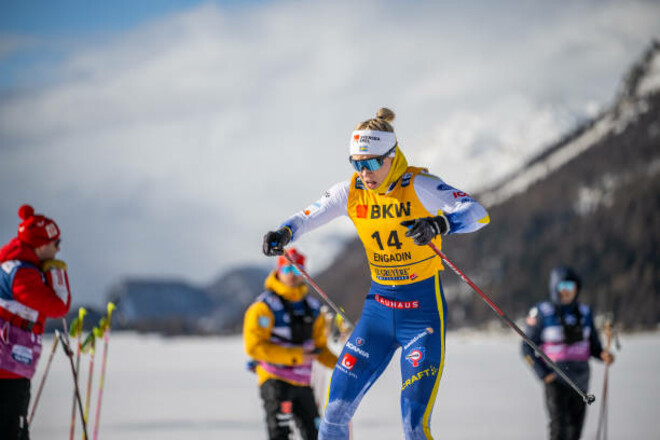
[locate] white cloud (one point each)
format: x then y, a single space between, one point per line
172 148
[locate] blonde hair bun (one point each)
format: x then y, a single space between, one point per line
380 123
385 114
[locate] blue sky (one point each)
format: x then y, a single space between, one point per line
167 137
75 17
34 26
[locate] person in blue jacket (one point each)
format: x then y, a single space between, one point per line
564 329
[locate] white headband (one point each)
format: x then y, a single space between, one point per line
372 142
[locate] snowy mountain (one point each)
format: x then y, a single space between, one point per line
641 82
179 307
167 306
590 200
232 293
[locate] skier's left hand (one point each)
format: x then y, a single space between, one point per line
423 230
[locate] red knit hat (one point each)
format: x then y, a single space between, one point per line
295 256
36 230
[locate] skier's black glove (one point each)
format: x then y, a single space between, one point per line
274 241
423 230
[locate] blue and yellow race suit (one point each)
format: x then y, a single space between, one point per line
405 306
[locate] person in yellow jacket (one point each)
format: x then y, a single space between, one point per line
284 332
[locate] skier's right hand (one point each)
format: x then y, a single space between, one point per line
274 241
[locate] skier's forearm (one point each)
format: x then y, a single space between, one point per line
463 212
328 207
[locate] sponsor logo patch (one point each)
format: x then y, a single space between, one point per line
418 336
51 230
311 208
365 138
286 407
392 274
392 304
392 210
432 371
8 266
416 356
21 354
357 349
463 196
392 258
348 361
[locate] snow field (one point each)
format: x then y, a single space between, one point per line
198 387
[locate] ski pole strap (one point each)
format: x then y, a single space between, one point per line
588 398
340 311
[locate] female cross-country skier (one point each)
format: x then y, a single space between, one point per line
397 210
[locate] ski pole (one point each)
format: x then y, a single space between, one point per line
69 353
588 398
89 345
104 327
602 418
43 378
76 332
340 311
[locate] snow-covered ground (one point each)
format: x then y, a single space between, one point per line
195 388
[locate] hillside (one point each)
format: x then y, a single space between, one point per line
590 201
180 307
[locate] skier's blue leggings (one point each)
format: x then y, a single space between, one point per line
411 317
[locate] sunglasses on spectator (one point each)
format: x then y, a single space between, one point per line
290 269
371 164
566 285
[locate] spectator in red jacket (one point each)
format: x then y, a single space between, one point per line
33 286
